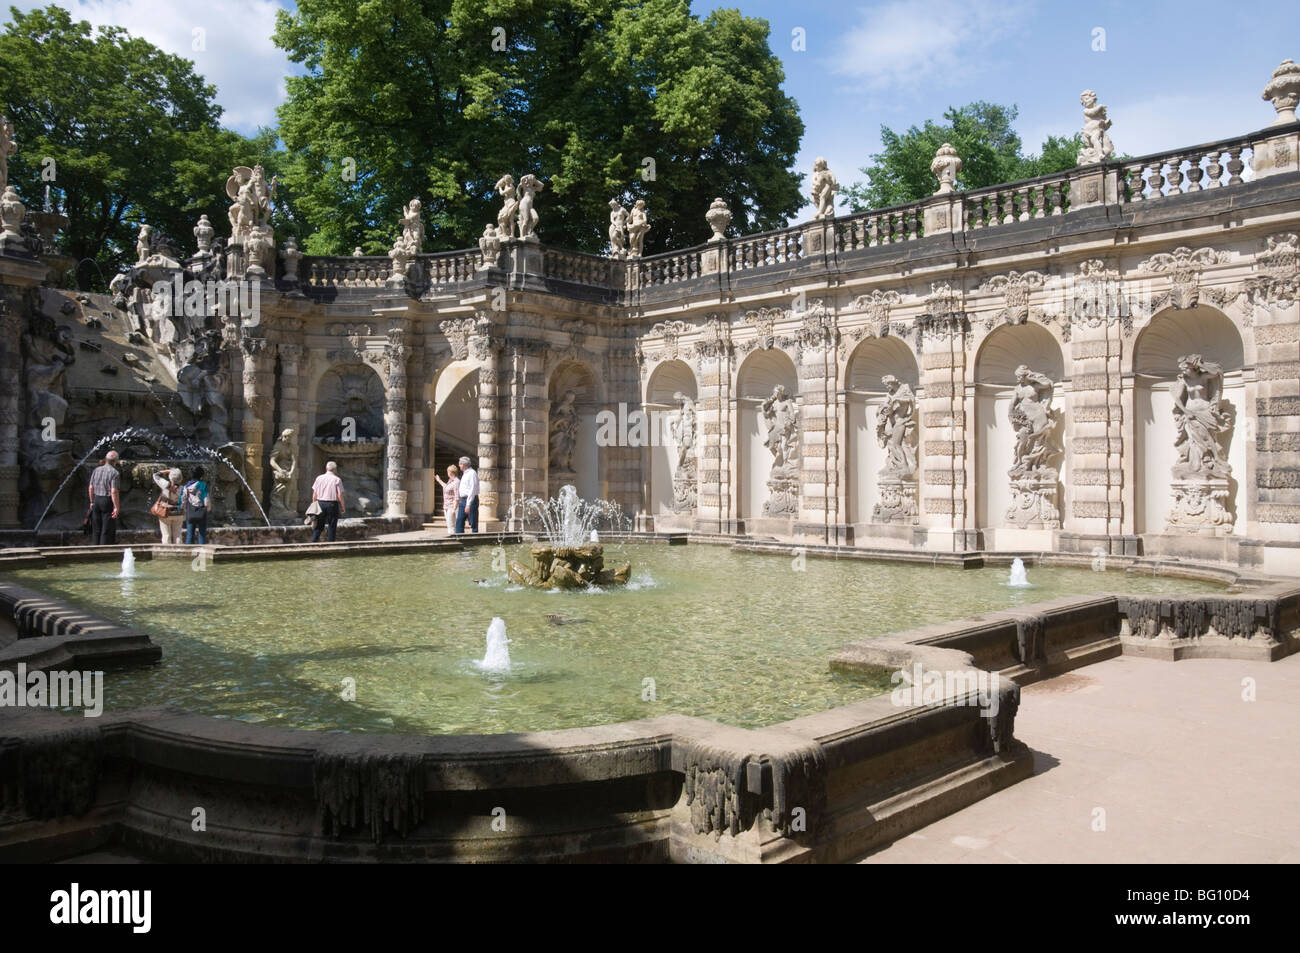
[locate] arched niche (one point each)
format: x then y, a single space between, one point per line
870 361
348 428
668 379
584 465
758 376
1170 335
1004 350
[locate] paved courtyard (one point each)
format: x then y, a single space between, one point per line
1184 769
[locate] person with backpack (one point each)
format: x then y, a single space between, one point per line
194 506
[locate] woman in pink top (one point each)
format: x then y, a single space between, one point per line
450 495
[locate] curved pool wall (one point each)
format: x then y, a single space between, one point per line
826 787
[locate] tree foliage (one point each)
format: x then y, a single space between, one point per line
436 99
983 136
123 133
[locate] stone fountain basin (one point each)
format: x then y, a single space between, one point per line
568 567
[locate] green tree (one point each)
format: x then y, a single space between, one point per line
982 134
436 99
123 133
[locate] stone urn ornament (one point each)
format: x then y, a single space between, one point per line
1283 90
719 217
12 211
290 255
945 167
203 233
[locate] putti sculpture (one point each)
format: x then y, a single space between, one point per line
824 187
617 230
529 186
636 229
1201 474
252 197
1033 475
1097 146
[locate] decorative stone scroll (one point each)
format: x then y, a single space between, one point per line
1015 288
1033 472
670 331
1184 266
1201 476
877 305
1276 282
781 418
944 314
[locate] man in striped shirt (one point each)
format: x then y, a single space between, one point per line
328 492
104 493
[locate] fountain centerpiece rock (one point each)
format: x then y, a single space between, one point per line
567 556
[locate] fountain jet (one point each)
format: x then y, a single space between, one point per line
497 658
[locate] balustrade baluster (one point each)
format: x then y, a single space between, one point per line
1194 172
1156 181
1175 177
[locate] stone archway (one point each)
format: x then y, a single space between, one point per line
671 474
1018 463
866 397
756 382
1171 336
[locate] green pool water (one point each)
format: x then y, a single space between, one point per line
739 638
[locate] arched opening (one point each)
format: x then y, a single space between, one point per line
1000 447
573 456
664 407
761 374
454 424
872 361
349 429
1171 336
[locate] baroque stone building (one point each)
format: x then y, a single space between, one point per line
1099 361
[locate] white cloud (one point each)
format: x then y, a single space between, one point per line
237 54
902 43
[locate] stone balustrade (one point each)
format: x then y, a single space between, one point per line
1143 179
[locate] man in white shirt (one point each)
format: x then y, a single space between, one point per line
467 509
328 492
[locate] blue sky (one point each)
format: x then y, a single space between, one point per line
1172 74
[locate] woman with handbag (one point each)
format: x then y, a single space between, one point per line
168 505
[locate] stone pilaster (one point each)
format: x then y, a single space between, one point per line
623 464
1273 502
10 403
257 380
818 426
526 444
395 419
714 410
1093 507
946 408
291 405
486 347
